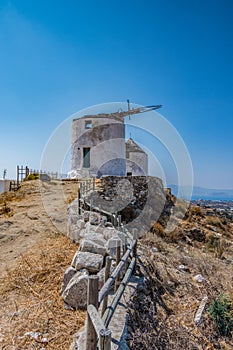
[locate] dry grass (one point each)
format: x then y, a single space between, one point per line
31 302
71 198
162 312
214 221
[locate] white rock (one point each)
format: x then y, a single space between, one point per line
94 218
99 229
80 224
73 207
75 235
87 245
75 294
183 268
109 232
84 260
68 274
95 237
86 216
199 278
154 249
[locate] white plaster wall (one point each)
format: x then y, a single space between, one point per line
137 163
106 139
4 185
1 186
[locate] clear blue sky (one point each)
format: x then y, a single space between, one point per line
59 56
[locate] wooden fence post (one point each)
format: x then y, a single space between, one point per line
79 202
105 339
118 259
135 250
119 221
114 220
106 276
92 299
17 175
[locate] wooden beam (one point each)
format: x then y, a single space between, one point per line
106 287
106 276
111 309
92 299
95 318
105 339
118 259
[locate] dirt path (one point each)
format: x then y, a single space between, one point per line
34 212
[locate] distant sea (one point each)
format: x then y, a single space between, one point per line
204 193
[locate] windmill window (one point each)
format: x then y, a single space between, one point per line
86 157
88 124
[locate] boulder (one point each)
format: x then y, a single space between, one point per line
72 224
94 237
80 224
73 207
109 232
68 274
99 229
75 293
87 245
75 229
94 218
86 216
84 260
74 235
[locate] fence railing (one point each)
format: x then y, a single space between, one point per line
86 186
22 172
99 313
98 334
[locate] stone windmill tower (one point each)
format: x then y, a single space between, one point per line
99 147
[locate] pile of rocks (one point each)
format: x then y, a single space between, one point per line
97 239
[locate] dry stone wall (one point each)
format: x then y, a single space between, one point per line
139 200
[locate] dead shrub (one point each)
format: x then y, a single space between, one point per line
214 221
5 209
158 229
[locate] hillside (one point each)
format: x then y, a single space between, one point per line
182 268
34 253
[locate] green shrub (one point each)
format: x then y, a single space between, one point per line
221 311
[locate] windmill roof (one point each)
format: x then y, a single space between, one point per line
132 146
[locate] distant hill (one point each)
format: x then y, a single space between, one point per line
204 193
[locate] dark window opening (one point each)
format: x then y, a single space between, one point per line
129 174
86 157
88 124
